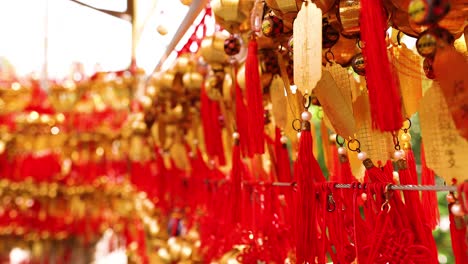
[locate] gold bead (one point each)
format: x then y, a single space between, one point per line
406 145
405 137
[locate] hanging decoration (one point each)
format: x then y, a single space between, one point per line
382 95
307 47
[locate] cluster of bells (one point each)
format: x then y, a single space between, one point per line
433 23
87 130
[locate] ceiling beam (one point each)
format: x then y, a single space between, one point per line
128 13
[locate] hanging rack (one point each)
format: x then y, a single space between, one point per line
195 8
395 187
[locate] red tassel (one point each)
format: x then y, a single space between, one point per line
458 226
430 206
283 168
334 168
162 181
241 123
346 175
423 234
307 171
236 184
255 114
382 83
210 114
217 133
283 165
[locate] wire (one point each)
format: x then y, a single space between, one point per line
395 187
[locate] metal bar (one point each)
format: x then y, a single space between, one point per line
195 8
121 15
396 187
410 187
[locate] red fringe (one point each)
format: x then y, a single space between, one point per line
197 185
307 171
241 123
346 175
338 236
458 236
283 165
429 198
385 102
255 114
335 170
283 168
210 114
423 234
236 185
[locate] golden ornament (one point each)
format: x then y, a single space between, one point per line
212 49
192 80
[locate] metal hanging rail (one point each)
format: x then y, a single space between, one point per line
195 8
395 187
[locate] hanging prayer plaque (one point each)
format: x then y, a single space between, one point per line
373 142
446 152
408 66
453 82
279 102
336 106
308 47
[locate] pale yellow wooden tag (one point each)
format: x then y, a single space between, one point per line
408 66
279 102
373 142
293 113
307 47
343 81
294 102
446 151
335 105
451 71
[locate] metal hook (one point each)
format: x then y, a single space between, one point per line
294 122
359 43
280 48
405 129
337 139
307 101
396 142
331 205
398 38
329 52
387 194
358 147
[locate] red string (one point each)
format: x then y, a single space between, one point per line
241 122
429 198
210 114
422 233
255 111
458 230
385 102
236 182
306 171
